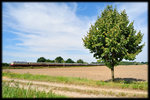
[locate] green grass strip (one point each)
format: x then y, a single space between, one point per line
17 92
79 81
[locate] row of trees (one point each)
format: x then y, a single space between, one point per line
123 63
131 63
59 60
5 64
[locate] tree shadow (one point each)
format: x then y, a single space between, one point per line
125 80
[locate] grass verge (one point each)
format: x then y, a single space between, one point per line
79 81
17 92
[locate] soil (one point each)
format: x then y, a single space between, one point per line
125 72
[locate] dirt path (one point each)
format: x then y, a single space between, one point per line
77 90
131 72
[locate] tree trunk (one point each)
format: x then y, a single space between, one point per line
112 73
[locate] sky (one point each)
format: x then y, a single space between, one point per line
50 29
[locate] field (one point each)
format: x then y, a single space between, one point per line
133 72
84 81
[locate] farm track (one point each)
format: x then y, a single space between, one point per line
77 91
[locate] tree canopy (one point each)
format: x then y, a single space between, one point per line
112 38
41 59
69 60
51 61
59 59
80 61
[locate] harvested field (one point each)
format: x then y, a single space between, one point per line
131 72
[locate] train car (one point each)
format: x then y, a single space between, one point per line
50 64
17 63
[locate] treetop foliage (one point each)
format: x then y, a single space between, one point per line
41 59
59 59
80 61
112 38
69 61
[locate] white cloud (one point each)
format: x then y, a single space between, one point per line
46 28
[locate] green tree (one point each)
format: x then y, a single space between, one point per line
112 38
41 59
48 60
52 61
59 59
63 61
99 61
80 61
69 60
5 64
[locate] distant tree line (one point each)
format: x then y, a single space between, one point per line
144 62
124 63
5 64
69 60
59 60
132 63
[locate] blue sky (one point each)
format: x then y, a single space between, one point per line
50 29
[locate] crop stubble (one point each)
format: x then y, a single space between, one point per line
94 73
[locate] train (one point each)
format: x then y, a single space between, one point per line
16 63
